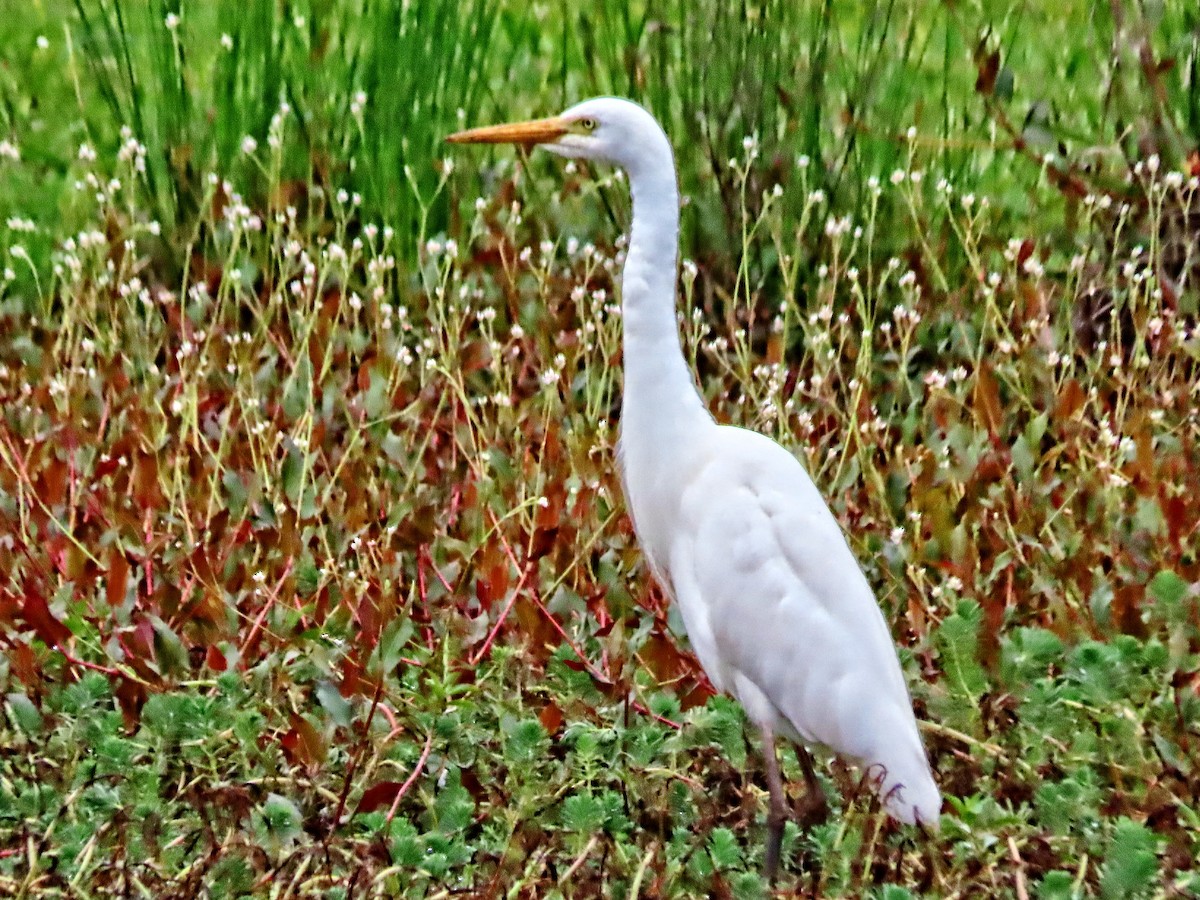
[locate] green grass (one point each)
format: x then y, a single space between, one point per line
317 580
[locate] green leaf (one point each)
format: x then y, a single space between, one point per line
235 492
82 696
1067 805
23 713
170 655
1023 457
298 396
1130 865
1057 886
167 716
958 642
278 822
1167 587
1005 81
231 877
748 886
391 644
721 723
582 812
1028 654
665 705
406 846
525 741
292 474
724 850
114 754
308 576
615 820
454 808
335 704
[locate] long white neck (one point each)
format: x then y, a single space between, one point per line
660 403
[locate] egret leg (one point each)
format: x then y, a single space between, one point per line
777 810
813 809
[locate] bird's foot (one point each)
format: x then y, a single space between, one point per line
776 819
812 808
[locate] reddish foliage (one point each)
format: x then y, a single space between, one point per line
116 582
551 718
378 796
37 615
303 744
988 408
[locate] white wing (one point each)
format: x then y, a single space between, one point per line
781 615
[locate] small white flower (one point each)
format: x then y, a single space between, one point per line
227 41
249 145
171 21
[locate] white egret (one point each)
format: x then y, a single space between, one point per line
774 602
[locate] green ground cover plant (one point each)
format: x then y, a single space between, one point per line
315 575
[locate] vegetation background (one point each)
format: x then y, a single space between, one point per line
315 579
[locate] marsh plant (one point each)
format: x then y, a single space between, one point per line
316 576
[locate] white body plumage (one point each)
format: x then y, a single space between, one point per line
774 602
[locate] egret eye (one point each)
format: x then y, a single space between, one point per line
588 124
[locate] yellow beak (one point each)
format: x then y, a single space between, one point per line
535 131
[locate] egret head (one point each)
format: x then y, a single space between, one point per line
606 129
